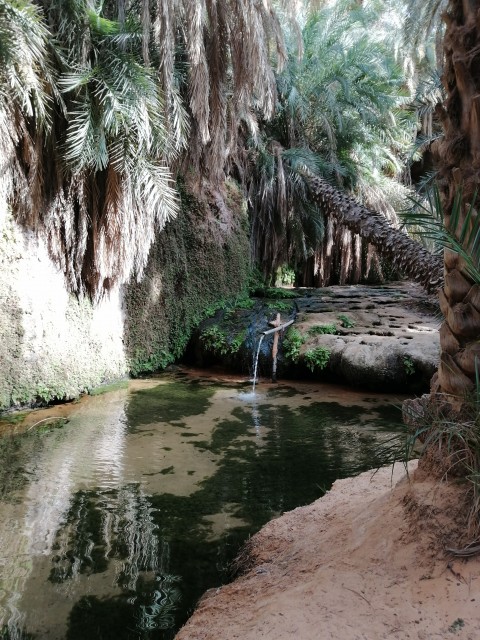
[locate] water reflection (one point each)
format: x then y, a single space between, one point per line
114 525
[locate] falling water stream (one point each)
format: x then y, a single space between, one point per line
114 524
255 364
275 329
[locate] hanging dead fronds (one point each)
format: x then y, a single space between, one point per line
135 81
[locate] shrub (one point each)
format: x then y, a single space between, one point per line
292 344
450 440
215 340
346 322
324 329
409 366
317 358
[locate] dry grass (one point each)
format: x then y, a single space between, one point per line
450 443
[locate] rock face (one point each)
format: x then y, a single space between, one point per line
386 338
52 345
383 338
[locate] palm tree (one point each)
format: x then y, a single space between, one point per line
116 188
338 116
459 162
458 154
94 178
26 81
407 255
134 81
423 28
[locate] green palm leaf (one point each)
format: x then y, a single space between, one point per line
461 233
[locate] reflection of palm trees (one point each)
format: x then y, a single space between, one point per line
113 531
88 531
28 529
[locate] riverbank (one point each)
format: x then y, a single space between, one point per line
365 562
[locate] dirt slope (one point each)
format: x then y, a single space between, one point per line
365 562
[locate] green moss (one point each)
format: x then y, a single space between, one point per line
105 388
195 268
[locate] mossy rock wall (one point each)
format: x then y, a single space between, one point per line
200 260
53 346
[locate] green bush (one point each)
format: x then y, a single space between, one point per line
346 322
409 366
322 329
317 358
215 340
279 306
292 344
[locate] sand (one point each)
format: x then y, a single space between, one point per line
367 561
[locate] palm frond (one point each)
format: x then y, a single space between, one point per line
461 233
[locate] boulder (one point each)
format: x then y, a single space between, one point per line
384 338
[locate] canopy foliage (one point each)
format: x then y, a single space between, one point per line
104 104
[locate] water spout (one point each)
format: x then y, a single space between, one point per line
280 328
257 355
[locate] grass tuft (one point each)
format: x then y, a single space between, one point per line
450 440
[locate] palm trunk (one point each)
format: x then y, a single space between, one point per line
459 159
406 255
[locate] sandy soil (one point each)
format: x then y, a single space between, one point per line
368 561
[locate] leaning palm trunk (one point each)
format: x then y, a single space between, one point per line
459 158
406 255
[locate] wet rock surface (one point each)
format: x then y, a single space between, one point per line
386 338
383 338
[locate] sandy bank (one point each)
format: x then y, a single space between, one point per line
365 562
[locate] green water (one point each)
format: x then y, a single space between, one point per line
113 526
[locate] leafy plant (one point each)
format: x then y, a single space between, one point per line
237 342
456 625
325 329
408 366
461 234
244 303
317 358
292 344
279 306
346 322
229 306
214 339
